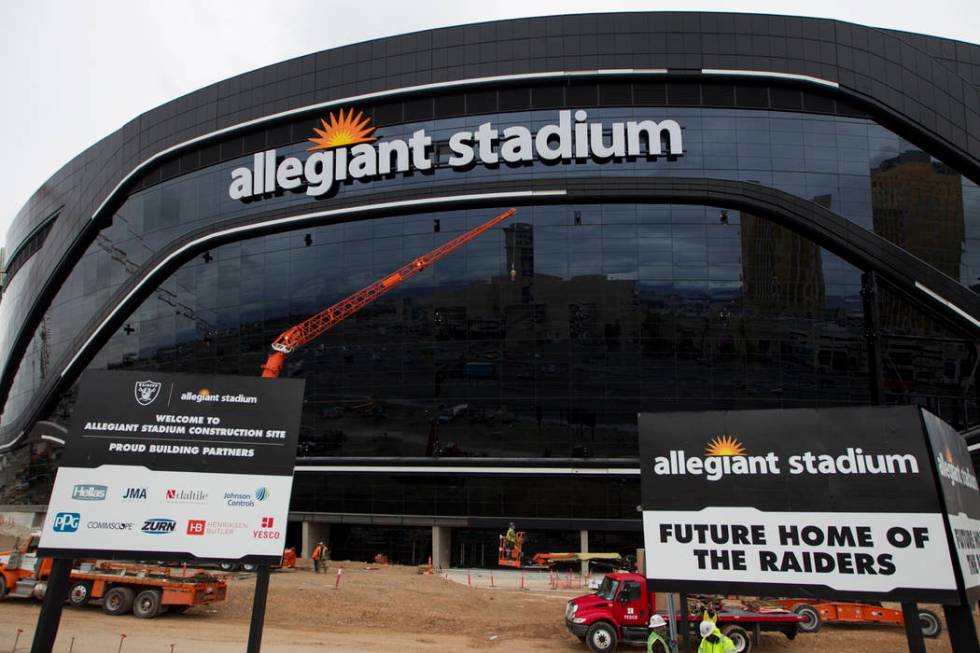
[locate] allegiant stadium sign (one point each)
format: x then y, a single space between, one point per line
344 149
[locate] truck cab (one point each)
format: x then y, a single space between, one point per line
620 610
623 609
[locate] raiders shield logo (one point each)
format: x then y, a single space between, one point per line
146 392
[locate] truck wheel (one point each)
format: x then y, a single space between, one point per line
811 618
80 593
249 566
601 638
740 638
147 604
931 625
118 600
227 566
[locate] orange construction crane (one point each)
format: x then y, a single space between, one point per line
327 319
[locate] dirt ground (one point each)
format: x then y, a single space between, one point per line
387 609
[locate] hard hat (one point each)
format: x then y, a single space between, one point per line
707 627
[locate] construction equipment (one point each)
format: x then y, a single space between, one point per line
145 590
313 327
815 613
512 555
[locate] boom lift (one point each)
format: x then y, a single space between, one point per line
313 327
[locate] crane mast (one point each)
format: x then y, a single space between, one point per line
311 328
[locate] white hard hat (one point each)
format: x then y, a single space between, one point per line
707 627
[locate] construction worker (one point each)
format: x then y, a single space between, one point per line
319 557
712 640
511 536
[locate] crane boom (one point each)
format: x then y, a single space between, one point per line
310 329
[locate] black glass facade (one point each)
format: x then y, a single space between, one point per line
542 339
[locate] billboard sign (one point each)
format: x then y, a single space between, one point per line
176 467
834 503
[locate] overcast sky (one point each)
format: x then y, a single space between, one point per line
74 72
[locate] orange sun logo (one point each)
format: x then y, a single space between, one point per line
342 130
724 445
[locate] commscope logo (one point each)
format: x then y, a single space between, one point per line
345 149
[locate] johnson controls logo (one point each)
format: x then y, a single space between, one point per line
726 456
66 522
159 526
345 149
89 492
261 494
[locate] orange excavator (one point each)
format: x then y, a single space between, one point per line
313 327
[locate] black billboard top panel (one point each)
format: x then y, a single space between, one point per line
863 459
185 422
961 495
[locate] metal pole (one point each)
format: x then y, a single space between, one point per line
688 642
258 610
913 629
54 601
962 629
671 618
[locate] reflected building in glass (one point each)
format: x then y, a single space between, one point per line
811 246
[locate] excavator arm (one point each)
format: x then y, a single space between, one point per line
310 329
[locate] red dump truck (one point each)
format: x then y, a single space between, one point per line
622 608
144 590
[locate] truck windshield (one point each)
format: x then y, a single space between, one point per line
607 590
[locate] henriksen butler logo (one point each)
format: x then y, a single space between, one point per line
345 149
725 456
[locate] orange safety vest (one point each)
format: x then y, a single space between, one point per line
316 553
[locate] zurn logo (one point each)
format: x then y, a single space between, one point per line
66 522
89 492
159 526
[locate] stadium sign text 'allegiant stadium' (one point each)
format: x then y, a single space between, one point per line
344 149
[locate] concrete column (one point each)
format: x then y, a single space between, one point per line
313 532
441 539
584 548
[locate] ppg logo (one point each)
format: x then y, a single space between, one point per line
66 522
159 526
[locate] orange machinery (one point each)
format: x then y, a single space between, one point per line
313 327
815 613
513 556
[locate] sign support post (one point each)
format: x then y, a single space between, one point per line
258 609
54 601
686 624
913 629
962 632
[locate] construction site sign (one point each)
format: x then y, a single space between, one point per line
176 467
835 503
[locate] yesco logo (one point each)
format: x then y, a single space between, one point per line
66 522
159 526
345 149
727 456
89 492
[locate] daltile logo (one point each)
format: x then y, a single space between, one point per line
725 456
345 149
